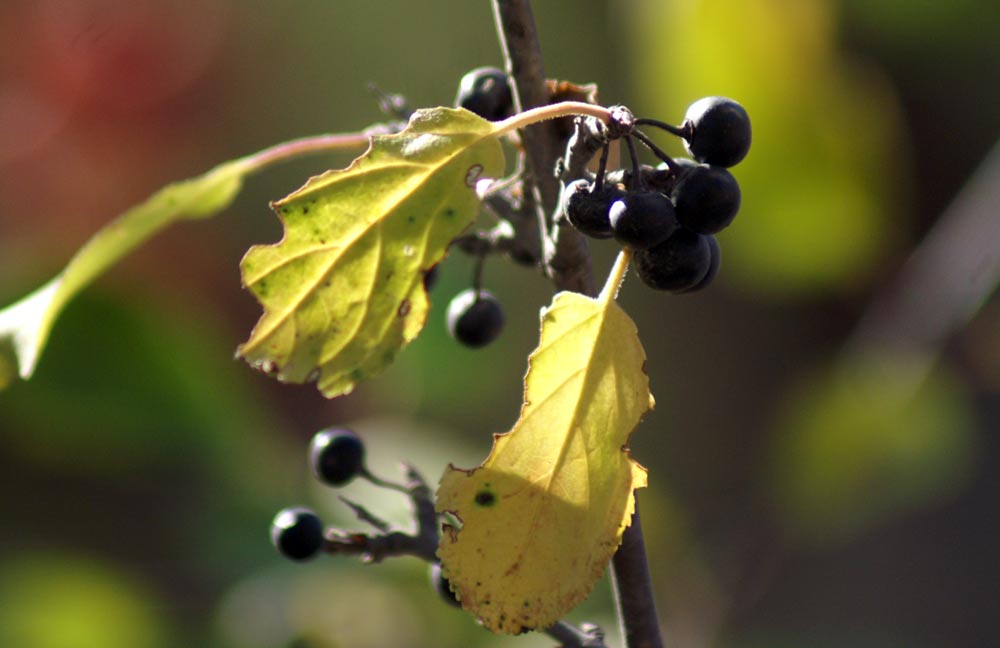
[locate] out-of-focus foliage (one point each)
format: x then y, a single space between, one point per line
869 441
25 325
821 184
64 601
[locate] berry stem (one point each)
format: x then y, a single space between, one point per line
616 277
602 168
657 151
683 131
551 111
635 182
477 274
382 483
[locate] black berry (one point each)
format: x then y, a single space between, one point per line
587 209
719 131
475 318
713 266
486 92
297 533
706 198
336 456
642 220
678 264
442 586
431 277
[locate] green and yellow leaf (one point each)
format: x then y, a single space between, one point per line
26 324
342 291
545 512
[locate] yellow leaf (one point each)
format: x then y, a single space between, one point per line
544 513
342 291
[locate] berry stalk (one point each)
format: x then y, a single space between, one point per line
552 111
616 277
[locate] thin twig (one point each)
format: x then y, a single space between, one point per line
523 60
365 515
422 544
586 636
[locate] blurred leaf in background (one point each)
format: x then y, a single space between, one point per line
868 442
69 601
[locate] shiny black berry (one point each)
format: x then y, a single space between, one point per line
706 198
442 586
587 209
336 456
486 92
713 266
642 220
719 131
678 264
297 533
475 318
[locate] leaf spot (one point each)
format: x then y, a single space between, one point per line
485 498
404 308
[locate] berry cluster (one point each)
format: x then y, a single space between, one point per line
336 456
668 215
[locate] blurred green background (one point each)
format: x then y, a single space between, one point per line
804 491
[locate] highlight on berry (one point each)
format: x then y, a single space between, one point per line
486 92
336 456
475 318
297 533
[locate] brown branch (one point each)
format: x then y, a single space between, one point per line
564 247
569 265
634 589
422 544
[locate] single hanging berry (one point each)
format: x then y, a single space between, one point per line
719 131
475 318
587 209
678 264
336 456
642 220
297 533
713 266
706 198
486 92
